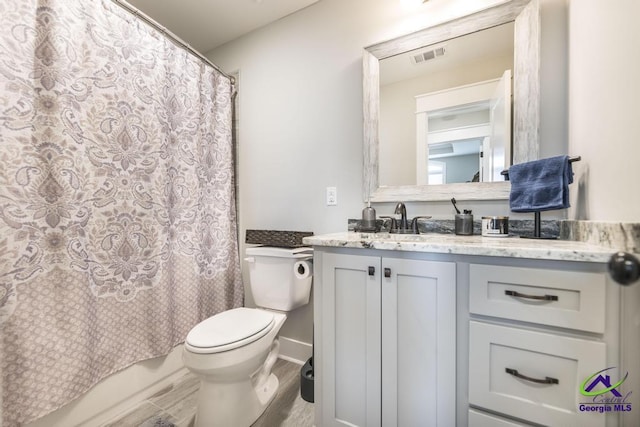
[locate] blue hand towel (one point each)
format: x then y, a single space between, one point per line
540 185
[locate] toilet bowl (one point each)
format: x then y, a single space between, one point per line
233 352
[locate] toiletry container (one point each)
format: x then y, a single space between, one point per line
368 219
464 224
495 226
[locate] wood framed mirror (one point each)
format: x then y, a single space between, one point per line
523 16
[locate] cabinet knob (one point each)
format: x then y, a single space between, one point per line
624 268
387 272
372 271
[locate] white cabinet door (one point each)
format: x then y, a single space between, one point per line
531 375
418 343
351 319
388 343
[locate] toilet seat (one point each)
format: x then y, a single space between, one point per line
229 330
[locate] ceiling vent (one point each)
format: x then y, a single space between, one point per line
428 55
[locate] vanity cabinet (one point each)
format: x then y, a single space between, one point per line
385 341
408 337
534 335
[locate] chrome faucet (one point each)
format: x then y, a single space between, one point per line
402 211
403 226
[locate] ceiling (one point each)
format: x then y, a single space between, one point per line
207 24
461 52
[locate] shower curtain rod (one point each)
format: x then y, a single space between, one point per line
139 14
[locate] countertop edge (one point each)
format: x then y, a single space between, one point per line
509 247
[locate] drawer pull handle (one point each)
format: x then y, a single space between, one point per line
535 297
372 271
387 272
546 380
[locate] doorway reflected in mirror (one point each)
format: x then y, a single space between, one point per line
455 96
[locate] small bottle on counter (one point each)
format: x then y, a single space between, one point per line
368 219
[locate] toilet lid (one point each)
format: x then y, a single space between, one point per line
229 329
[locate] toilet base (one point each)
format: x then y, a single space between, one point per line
233 404
267 392
236 386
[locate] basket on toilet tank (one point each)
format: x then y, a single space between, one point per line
280 278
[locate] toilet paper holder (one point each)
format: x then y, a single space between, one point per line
303 268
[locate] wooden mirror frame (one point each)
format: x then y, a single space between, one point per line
526 100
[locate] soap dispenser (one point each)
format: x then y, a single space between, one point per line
368 219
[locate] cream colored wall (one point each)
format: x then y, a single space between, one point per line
604 120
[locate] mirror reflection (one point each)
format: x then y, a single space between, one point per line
445 111
454 141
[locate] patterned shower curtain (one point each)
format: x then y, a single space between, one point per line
117 211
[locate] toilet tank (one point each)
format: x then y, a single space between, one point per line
280 278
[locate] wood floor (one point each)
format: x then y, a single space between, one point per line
176 405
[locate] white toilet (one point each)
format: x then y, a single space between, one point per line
233 352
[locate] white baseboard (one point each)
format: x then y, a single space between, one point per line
295 351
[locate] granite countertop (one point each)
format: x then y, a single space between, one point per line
511 246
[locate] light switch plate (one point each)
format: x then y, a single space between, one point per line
332 196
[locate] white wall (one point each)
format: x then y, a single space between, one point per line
301 108
300 115
397 124
604 119
553 78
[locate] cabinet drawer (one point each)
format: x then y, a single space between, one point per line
568 299
562 362
482 419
